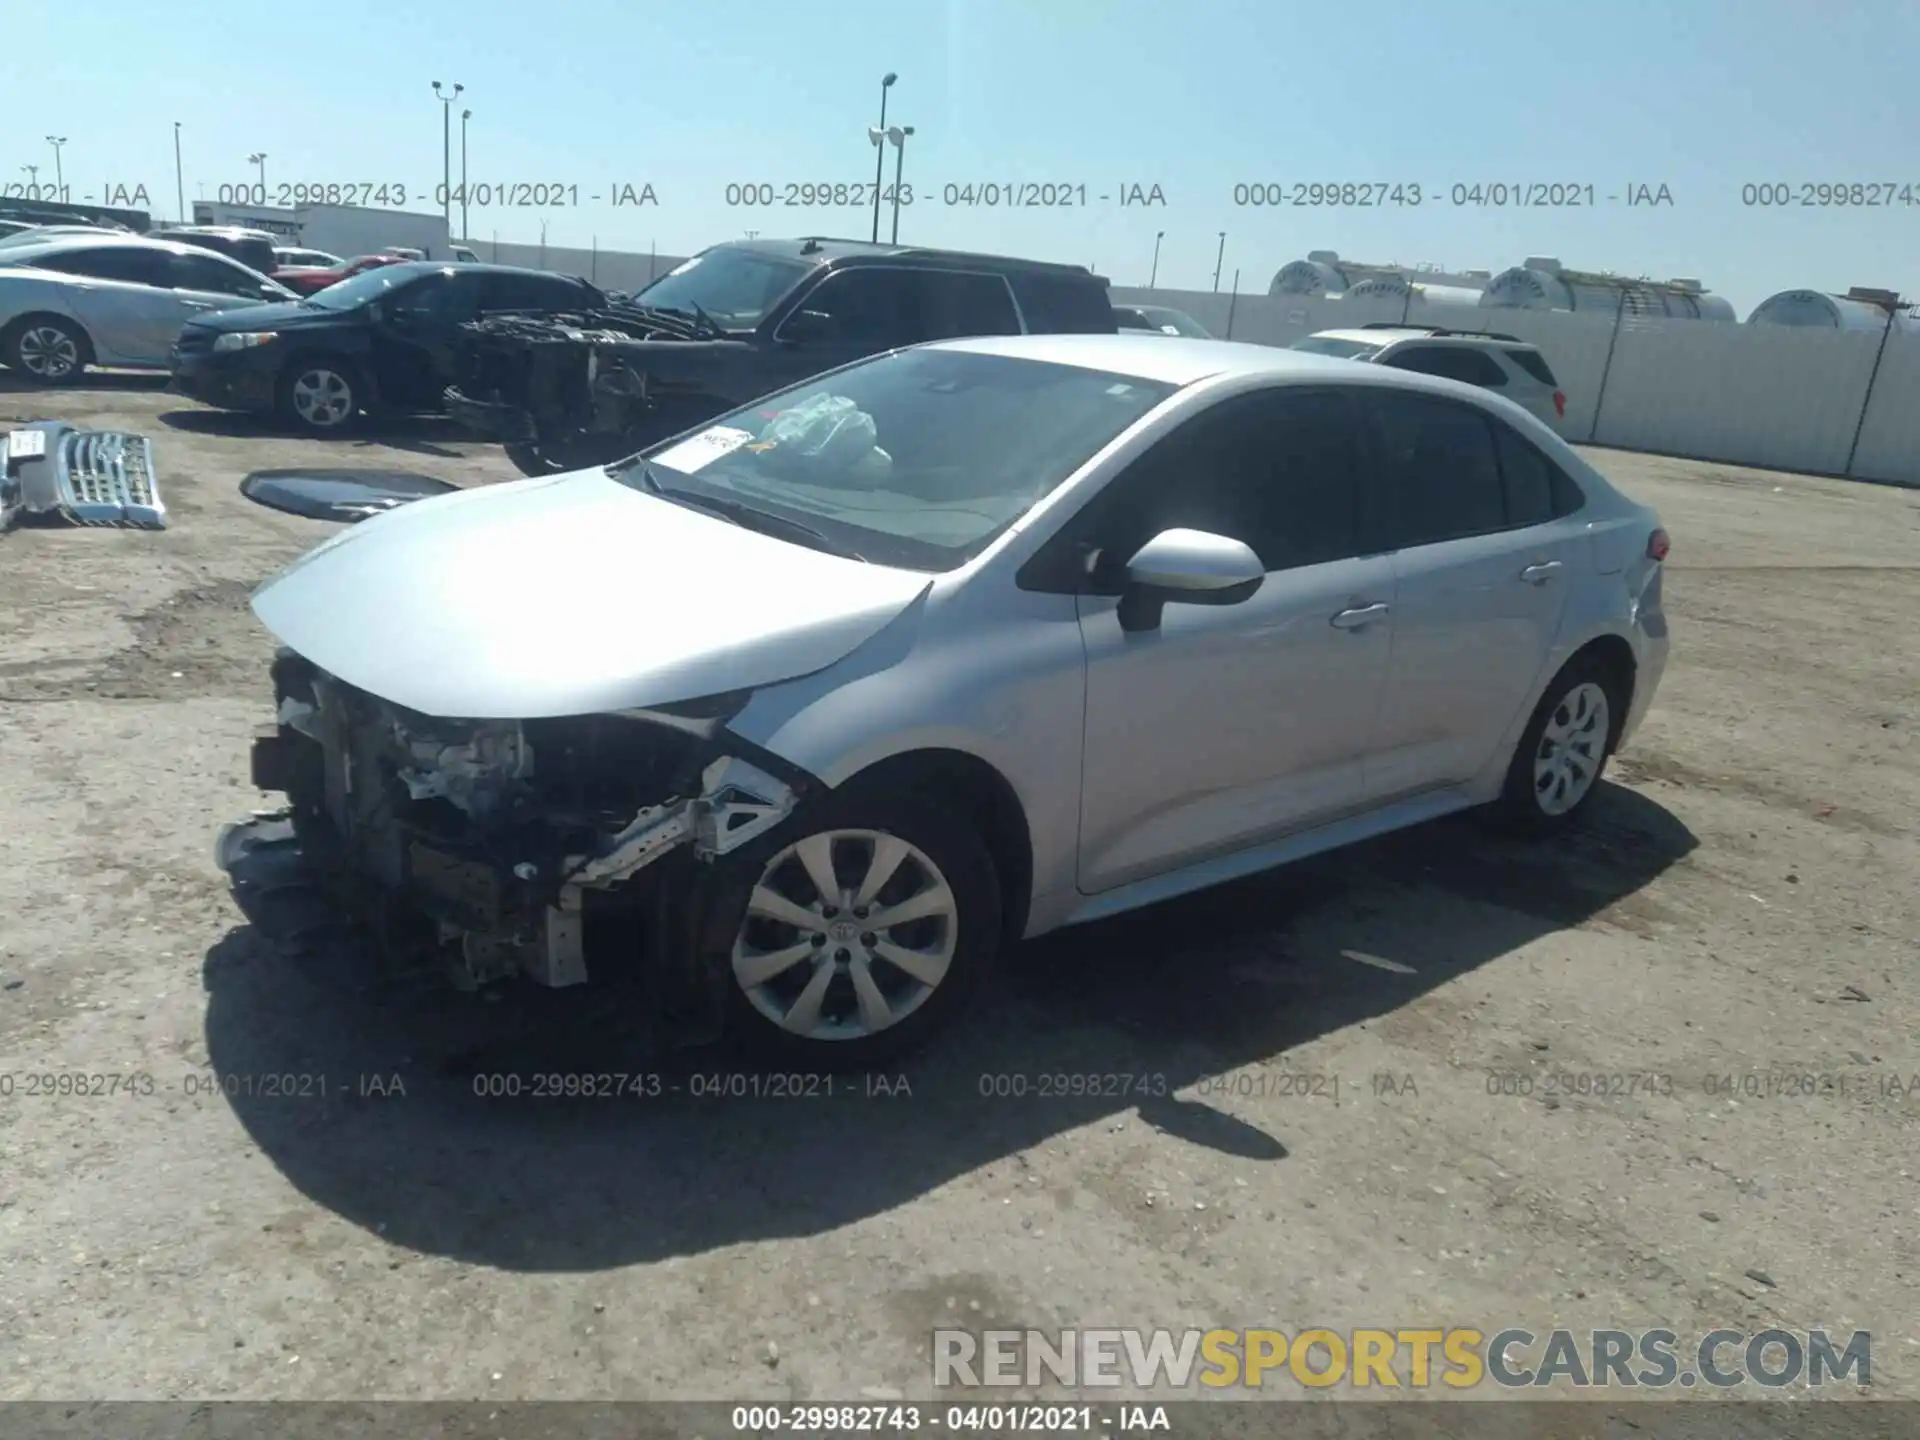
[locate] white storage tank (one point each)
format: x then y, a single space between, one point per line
1811 308
1545 284
1399 290
1324 273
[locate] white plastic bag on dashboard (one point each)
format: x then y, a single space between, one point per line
828 433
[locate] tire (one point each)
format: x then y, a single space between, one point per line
47 349
936 858
532 460
1558 763
320 395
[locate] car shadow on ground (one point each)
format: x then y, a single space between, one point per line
116 381
1133 1010
419 434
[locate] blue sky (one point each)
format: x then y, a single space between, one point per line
1194 96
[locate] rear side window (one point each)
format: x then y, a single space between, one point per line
1537 490
1435 469
956 305
1450 362
533 292
130 264
1060 305
1535 364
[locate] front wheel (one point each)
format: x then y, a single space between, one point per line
857 931
1556 766
321 396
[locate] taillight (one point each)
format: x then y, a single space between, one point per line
1560 403
1658 545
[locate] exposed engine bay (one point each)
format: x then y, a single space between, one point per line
494 841
627 373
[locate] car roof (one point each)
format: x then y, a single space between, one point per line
816 249
1180 361
1394 334
228 232
1170 359
422 267
62 243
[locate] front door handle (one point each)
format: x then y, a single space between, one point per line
1541 573
1357 616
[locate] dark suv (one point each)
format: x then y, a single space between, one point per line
735 322
252 248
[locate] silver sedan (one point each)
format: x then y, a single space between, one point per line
113 300
956 645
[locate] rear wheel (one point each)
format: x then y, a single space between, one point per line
48 349
1556 766
321 395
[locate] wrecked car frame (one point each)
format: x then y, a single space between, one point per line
491 841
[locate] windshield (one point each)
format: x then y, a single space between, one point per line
917 459
1336 347
357 290
1168 322
736 287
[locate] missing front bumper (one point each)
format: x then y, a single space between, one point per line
511 897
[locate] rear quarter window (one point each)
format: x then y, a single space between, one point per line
1057 305
1535 364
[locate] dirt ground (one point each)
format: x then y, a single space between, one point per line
1334 1148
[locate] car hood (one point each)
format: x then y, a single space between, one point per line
269 315
570 595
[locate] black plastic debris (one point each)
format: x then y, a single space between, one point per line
346 495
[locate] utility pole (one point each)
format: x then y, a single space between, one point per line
446 149
1218 260
880 151
259 158
179 184
1156 259
465 115
59 179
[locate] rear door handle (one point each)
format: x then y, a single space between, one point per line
1357 616
1541 573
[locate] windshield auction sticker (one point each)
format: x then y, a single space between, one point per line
703 449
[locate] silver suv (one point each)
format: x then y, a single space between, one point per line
1486 358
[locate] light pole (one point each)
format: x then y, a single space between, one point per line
179 184
465 115
1156 258
59 179
1217 261
33 181
446 149
880 151
259 158
898 135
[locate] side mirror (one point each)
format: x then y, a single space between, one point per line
1188 567
809 325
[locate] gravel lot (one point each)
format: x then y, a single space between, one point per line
1743 903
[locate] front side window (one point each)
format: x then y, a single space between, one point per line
211 275
735 287
917 459
1275 470
874 307
1434 468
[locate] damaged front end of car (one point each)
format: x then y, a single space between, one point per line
586 389
496 844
